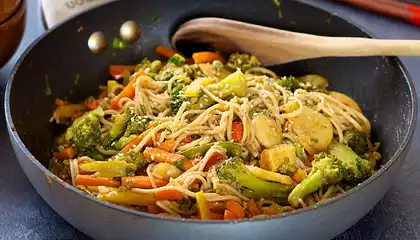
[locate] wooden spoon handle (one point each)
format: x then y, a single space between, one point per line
274 46
342 47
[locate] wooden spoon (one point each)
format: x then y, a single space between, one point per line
274 46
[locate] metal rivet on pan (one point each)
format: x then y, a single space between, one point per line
130 31
97 42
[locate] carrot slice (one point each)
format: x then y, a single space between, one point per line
167 145
237 131
136 141
128 91
236 208
169 194
159 155
299 175
229 215
87 180
165 52
141 182
252 208
66 153
207 57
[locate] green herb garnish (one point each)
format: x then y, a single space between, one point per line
119 44
277 4
77 79
47 86
155 17
313 140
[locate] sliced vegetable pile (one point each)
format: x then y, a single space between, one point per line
213 137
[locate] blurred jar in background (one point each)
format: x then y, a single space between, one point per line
56 11
12 25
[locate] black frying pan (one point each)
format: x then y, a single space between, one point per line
380 84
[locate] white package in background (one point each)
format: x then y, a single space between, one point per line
55 11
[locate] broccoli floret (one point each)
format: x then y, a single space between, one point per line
135 124
85 132
136 158
170 70
234 172
242 61
357 141
177 97
290 83
340 164
154 67
177 60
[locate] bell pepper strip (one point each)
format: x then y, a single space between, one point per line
214 159
93 105
128 198
165 52
141 182
117 71
237 131
203 206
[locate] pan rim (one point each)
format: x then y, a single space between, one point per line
393 159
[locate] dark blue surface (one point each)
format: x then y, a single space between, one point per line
24 215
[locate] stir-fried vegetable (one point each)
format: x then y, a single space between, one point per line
109 169
279 159
203 138
314 130
268 133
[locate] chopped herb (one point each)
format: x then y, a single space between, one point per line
277 4
119 44
142 108
77 79
71 91
114 54
155 17
299 148
47 86
313 140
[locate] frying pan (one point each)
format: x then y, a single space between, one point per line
380 84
